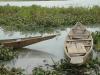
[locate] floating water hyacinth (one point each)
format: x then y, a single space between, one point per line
6 54
96 38
39 19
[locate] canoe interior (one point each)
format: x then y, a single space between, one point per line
79 42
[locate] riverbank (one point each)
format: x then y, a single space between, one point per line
59 68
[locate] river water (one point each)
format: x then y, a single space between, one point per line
65 3
34 55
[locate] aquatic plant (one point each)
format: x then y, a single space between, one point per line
6 54
96 39
10 71
42 19
64 68
61 67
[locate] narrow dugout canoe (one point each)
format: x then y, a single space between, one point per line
21 42
78 44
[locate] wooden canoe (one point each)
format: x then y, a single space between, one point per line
78 44
21 42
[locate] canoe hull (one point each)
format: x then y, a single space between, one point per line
13 43
85 59
78 46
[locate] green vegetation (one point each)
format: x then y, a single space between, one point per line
60 68
13 71
43 19
6 54
64 68
96 39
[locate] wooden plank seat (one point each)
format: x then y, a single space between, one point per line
75 29
78 36
76 49
87 45
78 40
76 60
70 40
85 39
81 31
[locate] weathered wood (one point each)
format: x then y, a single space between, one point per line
78 44
76 60
21 42
76 48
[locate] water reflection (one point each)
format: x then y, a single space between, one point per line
29 58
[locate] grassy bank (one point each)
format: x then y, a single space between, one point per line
36 18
